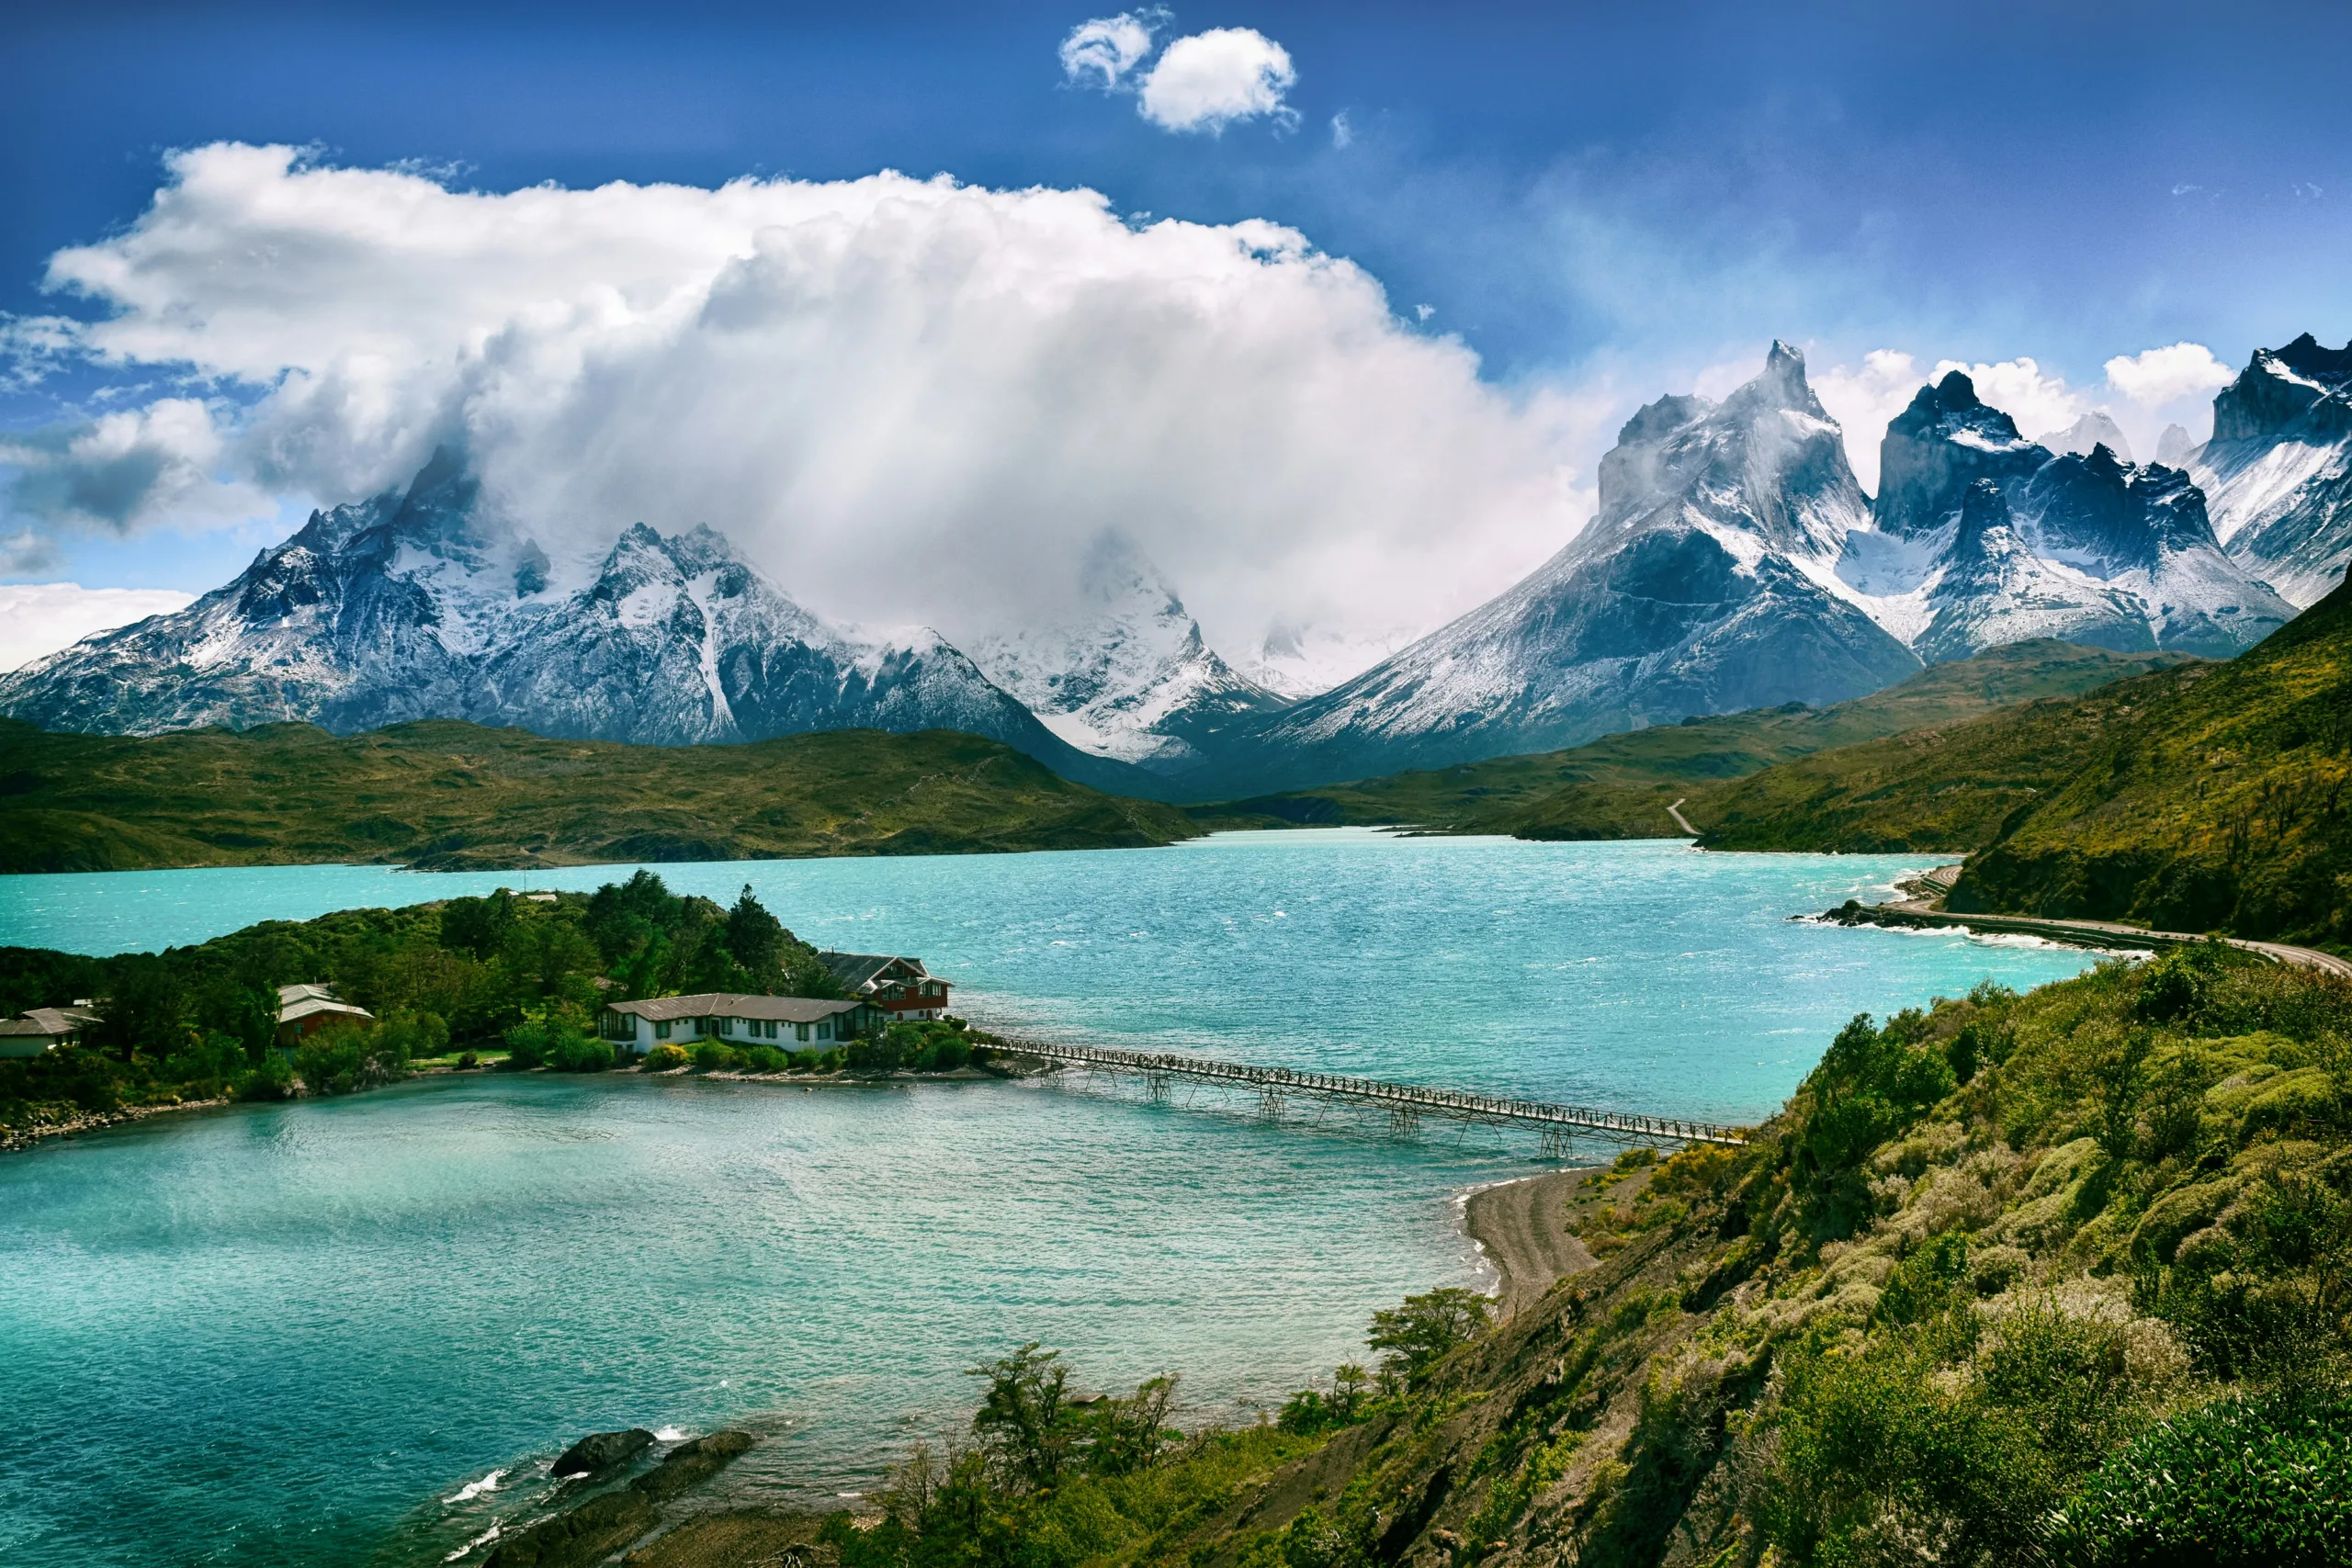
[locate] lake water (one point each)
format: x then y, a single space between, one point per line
302 1333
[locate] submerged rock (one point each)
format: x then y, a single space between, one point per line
601 1450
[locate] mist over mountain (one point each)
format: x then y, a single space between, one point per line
1733 563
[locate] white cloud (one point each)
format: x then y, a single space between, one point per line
1343 135
1862 399
2019 387
1207 81
1101 52
2161 375
41 618
125 471
906 399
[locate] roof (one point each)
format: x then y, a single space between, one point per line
735 1004
856 970
310 1006
289 995
53 1024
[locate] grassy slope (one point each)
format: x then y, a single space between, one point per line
1619 787
2222 807
1912 1319
449 796
1946 787
2209 797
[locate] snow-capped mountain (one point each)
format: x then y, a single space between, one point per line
2278 473
2086 548
2096 428
1132 679
402 608
1699 588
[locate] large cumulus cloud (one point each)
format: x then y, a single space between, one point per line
909 400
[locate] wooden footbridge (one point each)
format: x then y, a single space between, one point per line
1406 1103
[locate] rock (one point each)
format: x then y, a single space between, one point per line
588 1533
601 1450
691 1462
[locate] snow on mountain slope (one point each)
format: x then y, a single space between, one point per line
1134 680
1684 595
2096 428
2089 548
403 607
2278 473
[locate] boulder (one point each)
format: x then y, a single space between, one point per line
601 1450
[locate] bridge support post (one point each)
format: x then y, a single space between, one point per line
1154 1087
1555 1142
1270 1101
1404 1120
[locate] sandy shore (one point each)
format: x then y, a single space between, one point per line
1520 1225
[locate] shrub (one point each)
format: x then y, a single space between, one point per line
808 1061
713 1058
767 1059
468 1061
665 1057
580 1053
2263 1481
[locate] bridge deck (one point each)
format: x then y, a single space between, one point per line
1445 1102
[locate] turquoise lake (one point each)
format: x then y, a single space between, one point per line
309 1332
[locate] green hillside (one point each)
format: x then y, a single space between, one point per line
1619 786
445 796
2205 798
2222 806
1945 788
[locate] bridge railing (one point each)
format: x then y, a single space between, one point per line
1444 1101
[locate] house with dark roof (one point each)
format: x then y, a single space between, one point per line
900 987
303 1011
44 1029
787 1022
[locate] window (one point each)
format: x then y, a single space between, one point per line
800 1032
824 1028
661 1030
726 1026
768 1029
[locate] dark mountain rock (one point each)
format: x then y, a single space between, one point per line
1947 440
600 1452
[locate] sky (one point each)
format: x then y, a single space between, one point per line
1331 310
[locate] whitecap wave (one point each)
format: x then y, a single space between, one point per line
479 1542
669 1435
473 1489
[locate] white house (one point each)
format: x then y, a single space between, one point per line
43 1030
789 1023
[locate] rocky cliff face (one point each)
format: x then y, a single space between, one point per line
1701 587
403 608
1982 537
1132 679
2278 473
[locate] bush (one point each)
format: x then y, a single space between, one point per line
666 1057
468 1061
580 1053
2263 1481
767 1059
341 1059
810 1062
713 1058
1417 1335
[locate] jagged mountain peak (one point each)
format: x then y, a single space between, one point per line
1780 385
2096 428
1129 676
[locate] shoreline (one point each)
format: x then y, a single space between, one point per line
1519 1227
16 1140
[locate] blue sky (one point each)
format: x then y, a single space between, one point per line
1603 201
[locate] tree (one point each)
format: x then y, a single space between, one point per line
1024 1423
477 925
1417 1335
756 938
